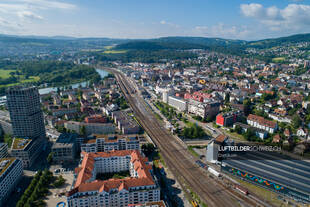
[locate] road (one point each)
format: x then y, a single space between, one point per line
176 156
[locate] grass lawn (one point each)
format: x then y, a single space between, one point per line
234 135
192 151
114 51
22 80
31 79
5 73
278 59
108 47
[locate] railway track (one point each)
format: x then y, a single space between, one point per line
176 157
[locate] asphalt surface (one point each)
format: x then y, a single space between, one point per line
177 158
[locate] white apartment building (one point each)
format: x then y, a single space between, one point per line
106 143
178 103
203 109
261 123
140 187
90 128
10 173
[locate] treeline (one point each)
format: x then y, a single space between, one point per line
146 56
193 131
58 73
156 45
37 190
52 73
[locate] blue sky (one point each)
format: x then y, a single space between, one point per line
234 19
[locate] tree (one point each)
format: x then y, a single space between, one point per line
83 131
60 181
238 129
296 122
227 98
50 157
148 149
249 135
247 107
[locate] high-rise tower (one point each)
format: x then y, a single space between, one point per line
25 112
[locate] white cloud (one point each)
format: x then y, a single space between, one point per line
293 16
18 15
28 15
163 22
47 4
222 30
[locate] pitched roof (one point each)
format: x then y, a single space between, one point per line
85 173
262 121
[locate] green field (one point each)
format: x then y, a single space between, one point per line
108 47
114 51
5 73
31 79
278 59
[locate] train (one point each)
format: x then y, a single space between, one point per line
241 189
194 203
214 172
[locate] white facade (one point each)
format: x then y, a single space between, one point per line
260 126
139 188
110 142
178 103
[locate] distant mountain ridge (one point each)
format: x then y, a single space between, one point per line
28 44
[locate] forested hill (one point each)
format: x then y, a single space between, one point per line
33 45
268 43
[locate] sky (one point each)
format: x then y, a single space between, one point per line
232 19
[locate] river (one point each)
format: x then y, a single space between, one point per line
101 72
43 91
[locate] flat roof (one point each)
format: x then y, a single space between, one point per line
6 162
20 143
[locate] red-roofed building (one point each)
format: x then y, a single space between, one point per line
96 119
140 187
198 96
262 123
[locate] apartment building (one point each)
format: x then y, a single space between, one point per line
106 143
96 119
140 187
125 123
262 123
149 204
229 118
203 110
178 103
90 128
10 174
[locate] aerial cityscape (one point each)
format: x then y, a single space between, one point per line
154 103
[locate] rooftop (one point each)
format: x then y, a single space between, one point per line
20 143
149 204
85 172
5 163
